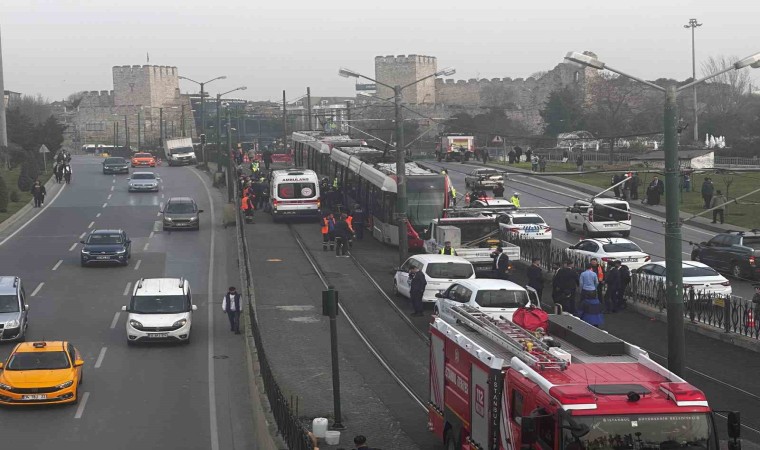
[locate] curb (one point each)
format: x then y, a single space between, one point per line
18 215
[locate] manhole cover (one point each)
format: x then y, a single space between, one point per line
220 356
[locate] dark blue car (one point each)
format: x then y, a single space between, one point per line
106 246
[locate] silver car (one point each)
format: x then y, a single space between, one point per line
143 182
13 309
181 212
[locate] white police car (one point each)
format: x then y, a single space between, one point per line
525 225
611 249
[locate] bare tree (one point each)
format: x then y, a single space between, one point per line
726 93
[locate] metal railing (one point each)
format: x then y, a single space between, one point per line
736 161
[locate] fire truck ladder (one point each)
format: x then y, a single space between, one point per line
524 344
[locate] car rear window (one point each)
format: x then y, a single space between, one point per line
611 212
526 220
143 155
296 190
452 270
114 161
752 241
502 298
620 247
691 271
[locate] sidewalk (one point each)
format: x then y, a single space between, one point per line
28 211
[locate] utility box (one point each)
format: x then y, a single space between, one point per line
448 233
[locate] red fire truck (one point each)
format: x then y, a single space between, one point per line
496 386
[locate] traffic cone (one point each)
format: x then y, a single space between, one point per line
750 319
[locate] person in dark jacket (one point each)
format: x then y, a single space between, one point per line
498 191
342 235
635 186
38 192
564 287
612 296
267 158
615 180
625 280
500 264
655 189
417 283
536 276
591 312
511 156
708 189
518 153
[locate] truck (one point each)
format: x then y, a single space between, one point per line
495 385
737 253
455 147
179 152
473 238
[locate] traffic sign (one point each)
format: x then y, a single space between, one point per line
497 140
44 149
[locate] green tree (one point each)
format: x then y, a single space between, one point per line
21 130
3 195
50 133
25 181
563 112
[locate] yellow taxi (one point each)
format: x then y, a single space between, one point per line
40 373
143 160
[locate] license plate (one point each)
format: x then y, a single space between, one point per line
158 335
482 254
103 257
34 397
628 260
610 225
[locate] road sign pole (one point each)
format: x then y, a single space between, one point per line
330 309
44 163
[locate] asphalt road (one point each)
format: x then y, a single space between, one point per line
152 396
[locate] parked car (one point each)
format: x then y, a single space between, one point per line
13 309
181 212
143 182
483 178
106 246
702 278
600 216
115 165
733 252
439 270
525 225
611 249
494 297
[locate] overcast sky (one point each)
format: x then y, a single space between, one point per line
58 47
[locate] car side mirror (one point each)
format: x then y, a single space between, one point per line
195 307
124 308
200 211
439 295
81 242
78 363
26 307
528 431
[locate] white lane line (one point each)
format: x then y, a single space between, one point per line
152 233
699 231
58 264
115 319
112 188
162 195
82 404
158 214
145 247
137 266
109 196
91 224
37 289
33 217
160 205
73 246
97 215
126 289
642 240
564 242
81 236
100 357
214 428
105 204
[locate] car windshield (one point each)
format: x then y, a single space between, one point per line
143 176
527 220
641 432
104 239
692 271
425 199
180 208
143 155
621 247
449 270
752 241
8 304
502 298
159 304
38 361
114 161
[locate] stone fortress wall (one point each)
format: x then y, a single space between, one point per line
402 70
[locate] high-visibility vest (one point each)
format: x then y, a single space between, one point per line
244 204
599 273
515 201
450 252
335 183
325 225
350 223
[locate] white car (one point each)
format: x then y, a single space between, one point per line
492 204
611 249
483 178
143 181
494 297
525 225
600 216
703 278
439 271
161 309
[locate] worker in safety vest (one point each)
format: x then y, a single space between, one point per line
447 250
515 199
328 231
246 205
350 223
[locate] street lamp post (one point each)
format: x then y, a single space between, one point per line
219 138
693 25
401 200
203 101
673 257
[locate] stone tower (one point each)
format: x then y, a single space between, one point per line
402 70
156 86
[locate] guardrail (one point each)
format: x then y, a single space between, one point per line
730 313
284 409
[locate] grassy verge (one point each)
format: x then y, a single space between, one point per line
745 214
11 181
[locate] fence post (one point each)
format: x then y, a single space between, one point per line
727 313
691 305
330 308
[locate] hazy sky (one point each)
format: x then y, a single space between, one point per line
58 47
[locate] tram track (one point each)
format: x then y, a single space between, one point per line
352 321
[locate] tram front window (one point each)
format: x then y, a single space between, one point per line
426 198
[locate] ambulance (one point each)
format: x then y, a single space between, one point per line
294 193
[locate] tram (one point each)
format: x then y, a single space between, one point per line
368 178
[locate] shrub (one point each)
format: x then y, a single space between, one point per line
25 181
15 196
3 195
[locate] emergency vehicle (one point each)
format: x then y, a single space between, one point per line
494 385
294 193
455 147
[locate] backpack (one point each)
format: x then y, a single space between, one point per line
531 318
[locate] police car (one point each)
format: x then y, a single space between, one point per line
525 225
611 249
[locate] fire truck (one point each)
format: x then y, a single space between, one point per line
457 147
497 386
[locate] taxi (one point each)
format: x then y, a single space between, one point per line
143 160
41 372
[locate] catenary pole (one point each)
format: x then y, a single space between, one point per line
403 237
308 108
284 123
3 123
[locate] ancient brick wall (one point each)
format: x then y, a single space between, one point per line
405 69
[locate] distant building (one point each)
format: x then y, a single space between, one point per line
687 159
327 113
10 98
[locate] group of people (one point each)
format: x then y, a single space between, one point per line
338 230
626 185
254 191
515 155
62 167
714 199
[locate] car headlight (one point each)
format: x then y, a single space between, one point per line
180 323
5 387
135 324
65 385
85 252
168 219
124 250
193 218
12 323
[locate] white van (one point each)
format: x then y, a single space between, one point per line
600 216
294 193
161 309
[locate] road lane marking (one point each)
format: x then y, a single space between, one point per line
162 195
157 225
126 289
100 357
58 264
137 266
81 236
82 404
112 188
105 204
643 240
699 231
91 224
33 217
73 246
152 233
37 289
109 196
564 242
214 428
160 205
145 247
115 319
97 215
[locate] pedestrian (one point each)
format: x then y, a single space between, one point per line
565 156
518 154
655 189
328 231
58 171
247 205
515 200
599 271
360 442
626 186
625 280
579 162
591 311
564 287
417 283
756 300
707 191
67 173
498 190
267 158
536 276
588 282
231 305
358 221
500 265
38 192
612 296
533 163
717 203
635 186
616 179
351 232
485 155
542 163
511 156
447 250
687 182
342 233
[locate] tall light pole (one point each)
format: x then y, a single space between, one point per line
219 126
3 125
401 201
693 25
673 257
203 98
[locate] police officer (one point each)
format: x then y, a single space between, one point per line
500 264
498 191
417 283
447 250
515 199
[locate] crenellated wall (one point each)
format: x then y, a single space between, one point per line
406 69
145 85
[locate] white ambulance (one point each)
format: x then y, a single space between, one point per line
294 193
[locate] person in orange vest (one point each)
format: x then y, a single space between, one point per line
328 231
246 205
599 271
350 223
